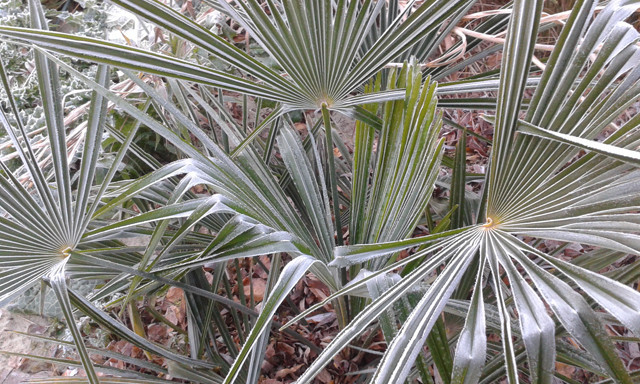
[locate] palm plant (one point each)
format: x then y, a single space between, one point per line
531 191
539 185
43 222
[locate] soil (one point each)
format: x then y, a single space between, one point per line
16 369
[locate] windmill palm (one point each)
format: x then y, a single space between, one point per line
531 191
258 209
43 222
320 46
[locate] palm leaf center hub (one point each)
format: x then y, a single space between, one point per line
65 252
490 224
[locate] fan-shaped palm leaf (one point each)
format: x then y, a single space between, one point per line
319 45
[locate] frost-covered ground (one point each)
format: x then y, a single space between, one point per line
15 369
